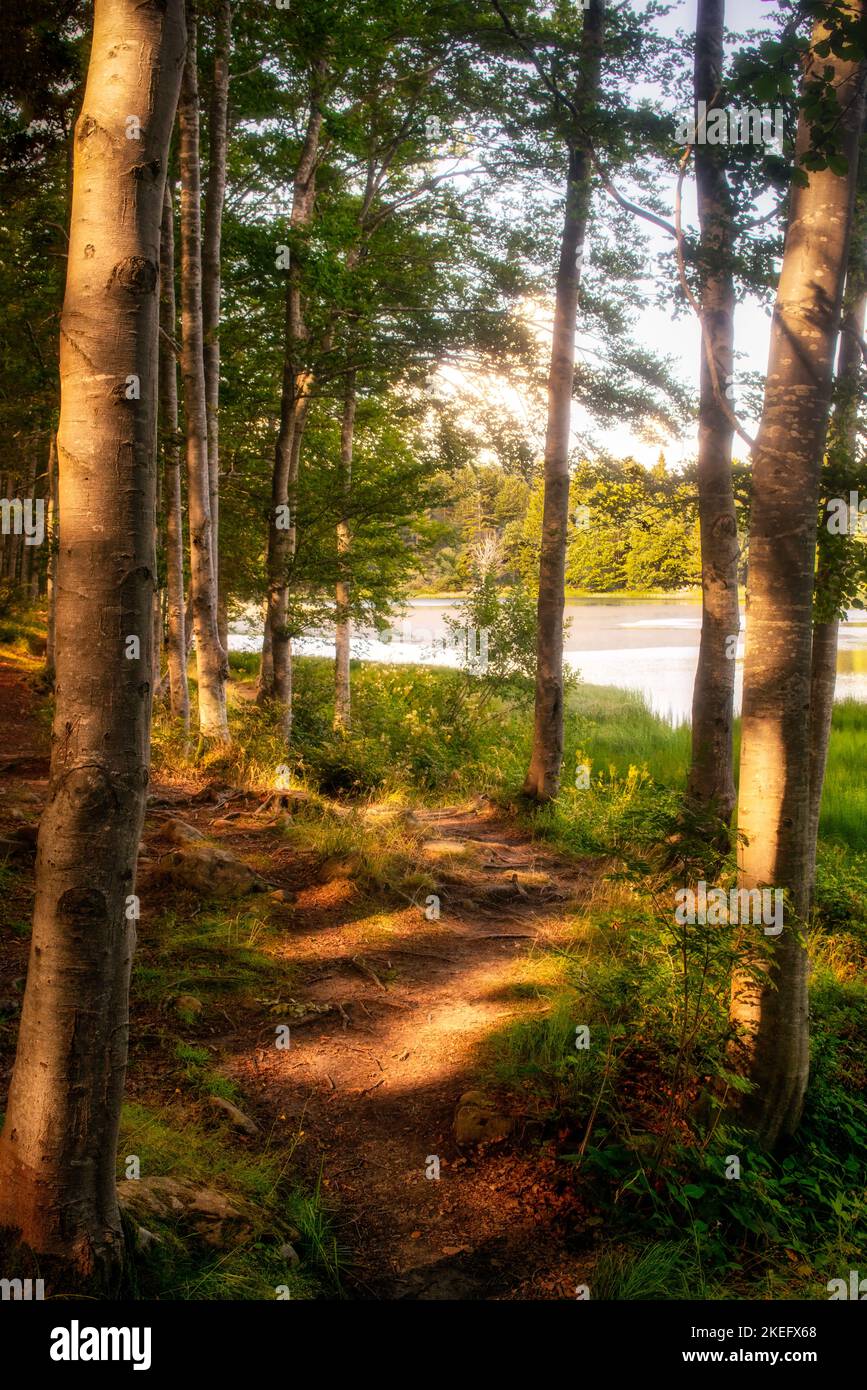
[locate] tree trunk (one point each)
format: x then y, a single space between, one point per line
294 399
770 1011
51 583
826 621
59 1144
543 777
214 198
211 663
176 636
343 625
711 783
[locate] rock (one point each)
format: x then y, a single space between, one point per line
145 1240
188 1006
236 1117
288 1253
478 1121
211 872
282 895
214 1218
178 832
339 866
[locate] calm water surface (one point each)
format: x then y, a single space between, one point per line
649 645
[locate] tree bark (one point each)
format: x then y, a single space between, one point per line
543 776
711 784
826 621
215 195
51 583
343 624
59 1144
770 1011
176 635
211 664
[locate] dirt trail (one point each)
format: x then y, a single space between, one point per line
373 1083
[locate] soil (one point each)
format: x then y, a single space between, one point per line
372 1084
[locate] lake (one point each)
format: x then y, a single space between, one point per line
649 645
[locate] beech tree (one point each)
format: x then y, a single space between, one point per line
215 195
711 775
543 775
176 634
343 624
211 662
769 996
841 562
58 1146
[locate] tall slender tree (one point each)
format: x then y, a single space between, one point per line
58 1148
343 625
215 196
176 636
211 663
711 776
276 674
769 997
543 776
834 578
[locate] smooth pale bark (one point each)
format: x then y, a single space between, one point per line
211 664
827 626
215 195
770 1013
294 402
51 581
543 776
58 1149
711 783
176 635
343 625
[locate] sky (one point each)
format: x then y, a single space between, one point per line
681 337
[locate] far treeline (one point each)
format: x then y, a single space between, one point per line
251 256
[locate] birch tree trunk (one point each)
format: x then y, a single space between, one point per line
176 636
770 1011
215 196
59 1143
211 664
543 776
711 783
343 625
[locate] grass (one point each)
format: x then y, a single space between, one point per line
632 1117
177 1146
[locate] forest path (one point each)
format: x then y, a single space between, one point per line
372 1083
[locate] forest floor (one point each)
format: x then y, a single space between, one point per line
389 1015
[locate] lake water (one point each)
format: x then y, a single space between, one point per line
649 645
